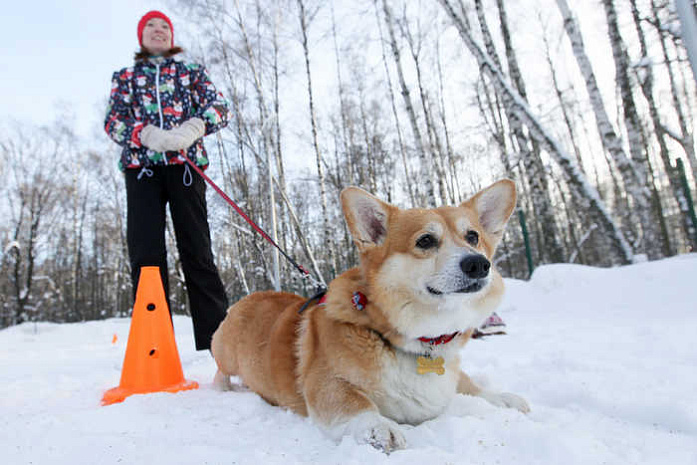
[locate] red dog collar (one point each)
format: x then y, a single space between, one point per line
436 341
360 301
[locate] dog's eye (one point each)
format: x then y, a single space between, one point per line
472 237
427 241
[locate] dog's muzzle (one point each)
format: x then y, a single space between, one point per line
475 269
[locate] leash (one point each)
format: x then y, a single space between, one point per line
318 297
256 227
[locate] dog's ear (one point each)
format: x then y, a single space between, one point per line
366 217
494 205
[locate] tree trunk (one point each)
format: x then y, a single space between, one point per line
393 106
563 105
276 134
315 143
420 149
267 145
303 240
546 233
646 82
453 170
685 138
634 178
435 147
585 194
634 130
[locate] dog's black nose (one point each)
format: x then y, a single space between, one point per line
475 266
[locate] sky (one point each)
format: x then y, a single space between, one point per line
605 358
58 52
65 52
62 54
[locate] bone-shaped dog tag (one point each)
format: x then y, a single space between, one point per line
430 365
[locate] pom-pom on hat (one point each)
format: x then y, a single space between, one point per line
147 17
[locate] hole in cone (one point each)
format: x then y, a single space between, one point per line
151 363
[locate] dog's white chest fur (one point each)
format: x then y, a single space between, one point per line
408 397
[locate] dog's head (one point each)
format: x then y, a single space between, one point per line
429 270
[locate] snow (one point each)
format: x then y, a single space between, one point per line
605 357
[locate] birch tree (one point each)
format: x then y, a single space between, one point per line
435 146
304 25
267 145
411 113
584 193
638 151
398 127
563 106
547 236
646 79
633 176
671 62
452 162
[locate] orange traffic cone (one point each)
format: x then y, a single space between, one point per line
152 361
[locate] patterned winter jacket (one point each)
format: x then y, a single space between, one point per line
163 92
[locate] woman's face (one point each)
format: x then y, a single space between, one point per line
157 36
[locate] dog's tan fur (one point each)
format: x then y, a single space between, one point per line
353 371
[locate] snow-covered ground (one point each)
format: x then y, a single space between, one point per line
607 359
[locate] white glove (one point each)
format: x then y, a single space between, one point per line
154 138
179 138
186 134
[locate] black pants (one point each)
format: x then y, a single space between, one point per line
146 199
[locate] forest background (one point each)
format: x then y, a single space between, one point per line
587 104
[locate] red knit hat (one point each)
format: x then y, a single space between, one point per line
147 17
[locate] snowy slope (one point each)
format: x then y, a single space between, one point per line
606 358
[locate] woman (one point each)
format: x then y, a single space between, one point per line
159 110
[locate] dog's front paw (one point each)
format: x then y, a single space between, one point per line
385 437
505 399
222 382
378 431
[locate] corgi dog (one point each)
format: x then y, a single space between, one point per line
382 347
